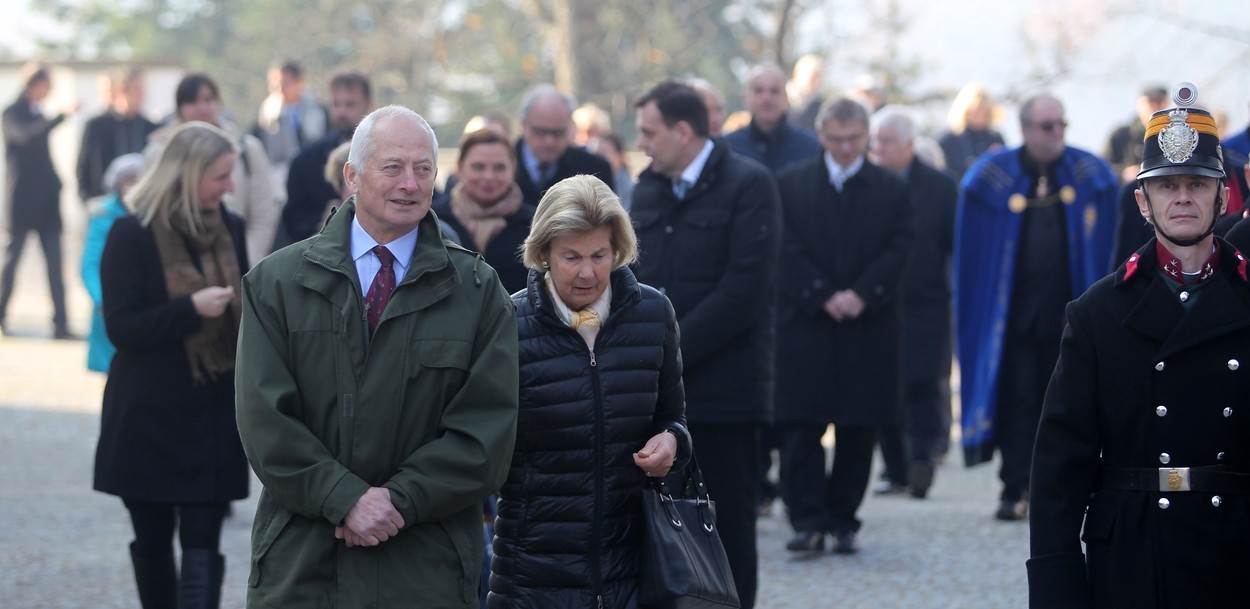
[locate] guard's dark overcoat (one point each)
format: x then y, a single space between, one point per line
846 372
1138 377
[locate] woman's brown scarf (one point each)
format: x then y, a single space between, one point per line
484 222
210 351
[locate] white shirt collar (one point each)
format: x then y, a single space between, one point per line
363 243
692 171
838 175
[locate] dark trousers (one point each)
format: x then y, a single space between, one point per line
770 440
729 457
825 502
50 240
1027 364
923 435
198 524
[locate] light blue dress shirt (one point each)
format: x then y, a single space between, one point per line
367 263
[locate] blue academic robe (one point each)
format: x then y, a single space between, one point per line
986 237
1240 142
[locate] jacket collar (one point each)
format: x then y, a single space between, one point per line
711 169
429 278
625 292
1223 307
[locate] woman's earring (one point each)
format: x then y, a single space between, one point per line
546 265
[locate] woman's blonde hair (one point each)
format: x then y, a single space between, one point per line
333 171
169 192
971 97
576 205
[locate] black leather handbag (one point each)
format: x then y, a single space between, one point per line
684 564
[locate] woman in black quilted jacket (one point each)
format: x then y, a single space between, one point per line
602 408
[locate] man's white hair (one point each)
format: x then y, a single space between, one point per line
896 119
362 139
546 91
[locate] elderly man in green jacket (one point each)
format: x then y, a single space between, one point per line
377 394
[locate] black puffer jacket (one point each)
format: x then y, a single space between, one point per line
569 528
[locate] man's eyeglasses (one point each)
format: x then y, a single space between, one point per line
1051 126
538 132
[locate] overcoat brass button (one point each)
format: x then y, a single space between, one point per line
1159 366
1161 411
1164 503
1184 296
1233 364
1216 501
1228 412
1165 458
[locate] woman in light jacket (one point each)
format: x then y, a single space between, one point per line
197 98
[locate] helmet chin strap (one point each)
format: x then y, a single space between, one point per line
1215 217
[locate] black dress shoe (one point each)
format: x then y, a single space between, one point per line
808 542
1012 510
887 487
921 476
845 542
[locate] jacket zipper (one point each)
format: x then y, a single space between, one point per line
597 519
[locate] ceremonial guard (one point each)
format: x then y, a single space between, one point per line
1145 430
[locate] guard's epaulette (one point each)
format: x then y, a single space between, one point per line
1130 266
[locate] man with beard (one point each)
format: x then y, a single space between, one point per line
308 192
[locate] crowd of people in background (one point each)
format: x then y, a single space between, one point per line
824 259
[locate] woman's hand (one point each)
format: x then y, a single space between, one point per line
212 301
656 458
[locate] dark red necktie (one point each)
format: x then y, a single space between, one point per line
380 291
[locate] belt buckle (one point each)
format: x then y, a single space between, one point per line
1173 479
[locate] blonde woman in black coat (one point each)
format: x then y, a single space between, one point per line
602 408
168 444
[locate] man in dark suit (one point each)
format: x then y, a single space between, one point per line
33 191
911 450
121 129
840 324
1141 468
708 228
308 193
545 152
777 144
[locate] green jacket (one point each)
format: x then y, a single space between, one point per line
426 408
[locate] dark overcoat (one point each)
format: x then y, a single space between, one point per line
845 372
104 138
1138 377
32 188
569 528
714 254
162 438
927 284
503 252
575 161
1239 232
